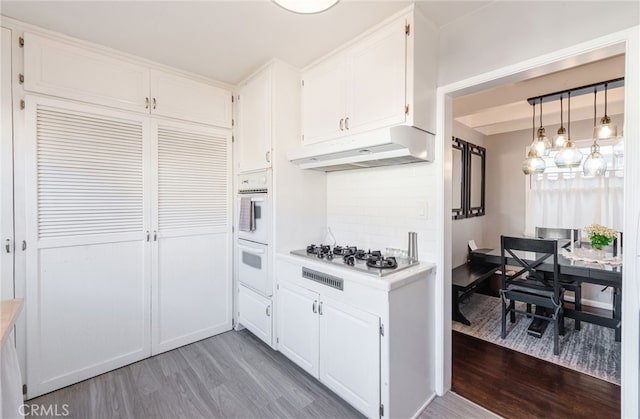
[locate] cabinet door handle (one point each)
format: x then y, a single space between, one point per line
154 103
155 236
341 124
346 123
146 103
320 308
268 310
267 156
7 246
315 311
147 235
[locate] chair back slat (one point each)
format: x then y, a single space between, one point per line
530 245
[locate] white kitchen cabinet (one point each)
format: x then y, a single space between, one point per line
336 343
350 354
191 239
88 264
374 334
255 313
383 78
298 326
254 122
68 70
184 98
324 100
129 238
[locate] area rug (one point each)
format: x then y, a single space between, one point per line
591 350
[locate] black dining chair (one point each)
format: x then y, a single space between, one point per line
568 283
529 285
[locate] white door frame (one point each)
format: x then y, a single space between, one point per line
627 41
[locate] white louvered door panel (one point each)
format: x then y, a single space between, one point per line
88 262
192 234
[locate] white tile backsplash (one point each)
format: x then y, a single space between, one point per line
376 207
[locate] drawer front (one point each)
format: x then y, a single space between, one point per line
255 313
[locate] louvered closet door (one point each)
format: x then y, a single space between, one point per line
191 285
88 261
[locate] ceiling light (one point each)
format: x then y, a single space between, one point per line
606 129
569 156
306 6
595 164
561 137
533 163
542 143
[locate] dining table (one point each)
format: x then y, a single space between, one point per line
581 272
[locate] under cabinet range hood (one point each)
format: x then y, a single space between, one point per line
383 147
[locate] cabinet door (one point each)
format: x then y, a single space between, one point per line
324 100
254 313
59 69
254 123
183 98
87 260
376 91
6 171
350 355
298 326
191 213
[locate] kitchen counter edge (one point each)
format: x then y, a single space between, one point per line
385 283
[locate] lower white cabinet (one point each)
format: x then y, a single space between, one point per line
255 313
298 327
334 342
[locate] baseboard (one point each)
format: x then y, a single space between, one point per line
591 303
424 406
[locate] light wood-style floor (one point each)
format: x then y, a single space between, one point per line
232 375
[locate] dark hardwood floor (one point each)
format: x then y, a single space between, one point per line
515 385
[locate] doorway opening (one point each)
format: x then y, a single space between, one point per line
455 97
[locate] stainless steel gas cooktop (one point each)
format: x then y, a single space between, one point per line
372 262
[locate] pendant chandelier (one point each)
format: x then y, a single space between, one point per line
569 155
595 164
533 163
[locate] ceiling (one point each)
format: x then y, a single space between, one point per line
223 40
505 108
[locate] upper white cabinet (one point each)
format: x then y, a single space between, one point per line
254 122
386 77
75 72
183 98
324 100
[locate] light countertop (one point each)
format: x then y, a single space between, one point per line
385 283
9 311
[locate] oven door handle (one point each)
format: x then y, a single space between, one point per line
251 249
257 199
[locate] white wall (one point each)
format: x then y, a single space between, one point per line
508 32
375 208
466 229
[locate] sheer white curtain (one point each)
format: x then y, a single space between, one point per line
568 200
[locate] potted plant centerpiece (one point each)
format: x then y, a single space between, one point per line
600 236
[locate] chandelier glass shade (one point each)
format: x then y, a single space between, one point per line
561 137
605 129
569 155
533 163
595 164
542 143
